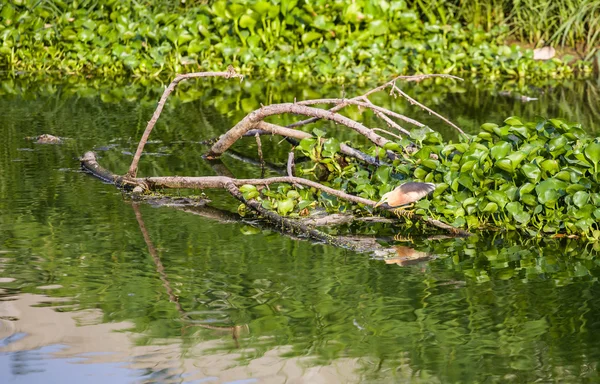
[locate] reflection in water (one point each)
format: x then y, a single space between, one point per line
160 269
156 294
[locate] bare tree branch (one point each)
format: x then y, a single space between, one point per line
138 153
415 102
368 105
392 82
260 155
252 119
290 164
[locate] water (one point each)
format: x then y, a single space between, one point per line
97 288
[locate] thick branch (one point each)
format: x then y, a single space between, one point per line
341 218
138 153
222 182
251 120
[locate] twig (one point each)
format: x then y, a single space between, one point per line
290 164
415 102
138 153
260 155
387 133
368 105
374 90
383 117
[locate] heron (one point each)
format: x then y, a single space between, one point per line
406 193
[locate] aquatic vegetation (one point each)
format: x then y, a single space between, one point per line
351 42
537 177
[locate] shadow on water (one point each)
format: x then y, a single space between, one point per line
161 295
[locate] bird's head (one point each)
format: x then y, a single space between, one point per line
384 199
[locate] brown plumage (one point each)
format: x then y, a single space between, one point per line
406 193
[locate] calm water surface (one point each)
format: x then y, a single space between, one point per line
97 288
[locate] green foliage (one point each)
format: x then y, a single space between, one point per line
534 177
571 23
351 41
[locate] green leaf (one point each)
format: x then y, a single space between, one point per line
592 152
247 188
439 189
500 150
378 27
304 203
383 174
528 199
466 181
498 197
431 164
331 146
505 164
490 207
308 37
532 172
551 166
247 21
549 191
468 166
581 198
557 145
307 144
489 127
318 132
513 121
285 206
419 134
516 210
526 188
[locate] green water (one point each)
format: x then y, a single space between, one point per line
97 288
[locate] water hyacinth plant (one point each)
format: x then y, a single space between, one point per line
538 177
333 41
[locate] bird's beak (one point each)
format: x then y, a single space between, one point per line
378 203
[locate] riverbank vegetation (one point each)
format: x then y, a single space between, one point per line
340 41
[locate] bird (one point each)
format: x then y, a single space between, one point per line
406 193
